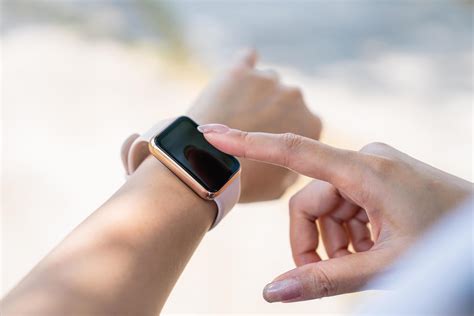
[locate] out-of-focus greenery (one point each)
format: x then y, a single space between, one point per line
134 21
160 17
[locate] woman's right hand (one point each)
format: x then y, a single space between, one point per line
398 195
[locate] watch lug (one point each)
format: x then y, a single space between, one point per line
210 196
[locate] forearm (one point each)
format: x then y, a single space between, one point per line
126 257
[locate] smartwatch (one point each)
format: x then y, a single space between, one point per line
210 173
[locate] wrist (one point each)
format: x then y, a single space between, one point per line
180 146
158 198
133 248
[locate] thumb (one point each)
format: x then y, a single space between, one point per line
325 278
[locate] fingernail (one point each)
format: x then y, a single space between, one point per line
284 290
213 128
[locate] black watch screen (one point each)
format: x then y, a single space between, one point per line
183 143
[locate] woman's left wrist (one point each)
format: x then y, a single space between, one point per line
153 183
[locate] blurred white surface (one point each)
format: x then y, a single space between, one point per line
68 103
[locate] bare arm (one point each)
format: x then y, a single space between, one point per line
126 257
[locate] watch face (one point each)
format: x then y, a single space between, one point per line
184 144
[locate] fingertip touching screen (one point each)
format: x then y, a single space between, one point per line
183 143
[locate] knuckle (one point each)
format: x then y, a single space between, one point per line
245 140
321 284
291 143
375 148
293 93
269 80
380 161
266 78
382 166
236 72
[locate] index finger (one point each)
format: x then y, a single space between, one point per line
300 154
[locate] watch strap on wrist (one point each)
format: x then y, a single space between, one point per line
226 201
135 150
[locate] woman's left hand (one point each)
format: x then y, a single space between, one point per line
246 98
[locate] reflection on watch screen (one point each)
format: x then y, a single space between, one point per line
188 147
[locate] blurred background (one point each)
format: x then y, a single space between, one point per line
77 77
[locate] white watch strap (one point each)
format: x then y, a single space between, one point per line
227 200
135 151
138 150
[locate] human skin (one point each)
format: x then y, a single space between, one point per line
246 98
398 195
125 258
